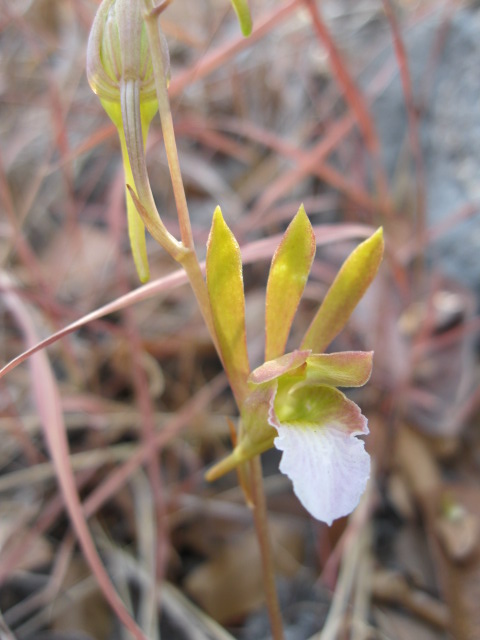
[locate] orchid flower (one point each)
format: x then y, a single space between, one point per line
292 401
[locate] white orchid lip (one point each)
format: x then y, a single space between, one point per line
316 426
327 463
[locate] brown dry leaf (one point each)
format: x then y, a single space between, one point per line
121 362
14 524
38 554
46 15
88 612
230 584
460 581
395 625
393 588
418 466
80 262
459 532
400 496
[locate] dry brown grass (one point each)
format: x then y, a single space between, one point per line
262 125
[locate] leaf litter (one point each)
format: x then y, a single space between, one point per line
311 108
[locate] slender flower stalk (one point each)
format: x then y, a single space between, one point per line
160 76
263 535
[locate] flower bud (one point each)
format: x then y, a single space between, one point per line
118 51
120 72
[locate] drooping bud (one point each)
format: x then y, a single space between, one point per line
120 72
118 51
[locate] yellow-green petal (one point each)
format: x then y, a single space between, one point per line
353 279
227 301
288 276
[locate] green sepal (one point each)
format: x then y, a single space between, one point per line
353 279
288 276
243 14
227 302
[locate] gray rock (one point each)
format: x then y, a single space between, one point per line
450 134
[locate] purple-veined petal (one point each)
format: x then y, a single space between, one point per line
326 462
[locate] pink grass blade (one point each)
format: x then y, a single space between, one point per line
252 252
47 399
341 74
412 114
166 283
288 276
227 301
353 279
219 56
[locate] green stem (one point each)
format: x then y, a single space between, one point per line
133 131
268 570
195 276
189 259
191 265
160 75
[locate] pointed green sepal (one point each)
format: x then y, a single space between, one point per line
288 276
353 279
227 301
243 14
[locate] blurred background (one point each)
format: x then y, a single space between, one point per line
368 113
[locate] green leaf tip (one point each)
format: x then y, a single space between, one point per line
346 291
243 14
